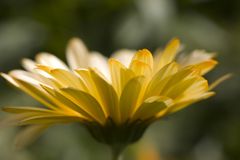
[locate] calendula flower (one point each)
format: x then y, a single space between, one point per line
115 99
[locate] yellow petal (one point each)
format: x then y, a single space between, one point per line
144 56
28 64
50 60
97 60
159 80
36 92
28 110
124 56
86 102
220 80
32 67
187 88
120 75
195 90
85 76
12 120
77 54
67 79
169 53
10 79
196 57
64 78
179 77
129 97
32 87
31 115
107 96
31 77
183 104
206 66
140 68
49 119
66 105
151 107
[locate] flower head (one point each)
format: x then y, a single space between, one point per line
116 99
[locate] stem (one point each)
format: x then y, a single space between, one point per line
115 156
116 152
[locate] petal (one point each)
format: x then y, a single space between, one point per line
144 56
31 66
32 87
50 60
64 78
187 88
120 75
31 77
96 60
169 53
85 76
11 120
28 64
206 66
35 91
35 111
159 80
220 80
178 78
25 76
140 68
86 102
67 106
183 104
124 56
107 96
10 79
77 54
50 119
151 107
35 82
67 79
27 110
129 97
197 56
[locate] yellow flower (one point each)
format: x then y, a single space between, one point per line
115 99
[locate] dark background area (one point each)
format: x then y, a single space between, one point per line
209 130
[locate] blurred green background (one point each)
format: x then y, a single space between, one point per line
209 130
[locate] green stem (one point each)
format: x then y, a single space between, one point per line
115 156
116 152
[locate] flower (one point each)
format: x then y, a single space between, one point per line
115 99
